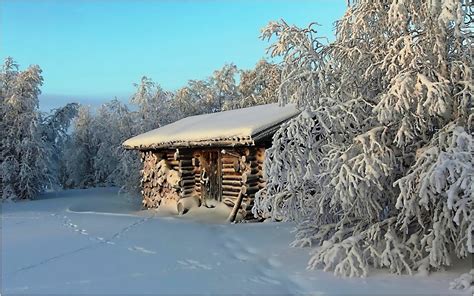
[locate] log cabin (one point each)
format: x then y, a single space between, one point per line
205 159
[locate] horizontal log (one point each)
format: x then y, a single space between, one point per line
228 165
231 188
232 170
185 183
231 182
187 190
229 160
187 168
251 184
186 163
232 177
173 162
250 190
185 173
248 178
230 193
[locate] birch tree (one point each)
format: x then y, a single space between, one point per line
24 162
260 85
390 102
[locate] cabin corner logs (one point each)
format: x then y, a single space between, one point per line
196 177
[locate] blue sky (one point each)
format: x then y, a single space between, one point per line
91 51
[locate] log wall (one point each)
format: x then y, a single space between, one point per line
242 177
176 174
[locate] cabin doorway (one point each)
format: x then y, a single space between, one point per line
211 177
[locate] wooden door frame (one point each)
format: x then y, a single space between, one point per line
206 157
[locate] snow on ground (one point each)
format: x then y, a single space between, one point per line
95 241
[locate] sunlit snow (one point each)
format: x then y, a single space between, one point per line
95 241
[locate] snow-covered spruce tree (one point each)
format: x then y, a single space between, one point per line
24 155
392 100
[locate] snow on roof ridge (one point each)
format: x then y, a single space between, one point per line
228 128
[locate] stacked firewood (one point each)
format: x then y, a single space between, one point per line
160 178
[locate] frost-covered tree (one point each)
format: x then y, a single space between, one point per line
260 85
82 150
24 162
55 129
153 103
225 87
114 124
388 175
197 97
212 94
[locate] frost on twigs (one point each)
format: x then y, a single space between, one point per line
381 172
438 194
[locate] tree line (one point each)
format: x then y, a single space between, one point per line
76 146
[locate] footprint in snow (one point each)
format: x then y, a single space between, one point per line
273 262
264 280
193 264
240 256
141 250
251 250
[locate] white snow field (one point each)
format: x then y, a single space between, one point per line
96 241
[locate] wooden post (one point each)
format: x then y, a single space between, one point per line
236 208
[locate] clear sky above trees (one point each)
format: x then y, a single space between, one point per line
93 50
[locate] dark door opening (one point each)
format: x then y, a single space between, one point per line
211 187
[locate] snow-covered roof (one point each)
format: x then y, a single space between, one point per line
240 127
